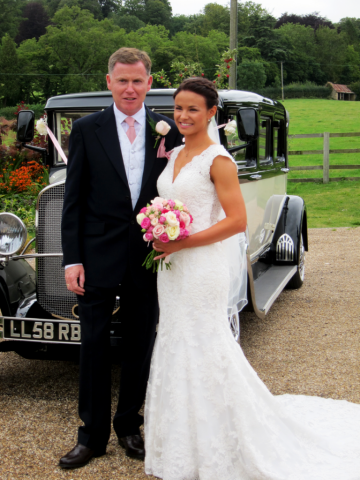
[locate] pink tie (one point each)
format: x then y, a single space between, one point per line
131 130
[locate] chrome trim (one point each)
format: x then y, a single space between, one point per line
258 312
302 258
285 248
280 288
28 245
255 177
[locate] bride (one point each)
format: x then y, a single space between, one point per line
207 414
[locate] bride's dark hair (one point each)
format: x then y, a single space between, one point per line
201 86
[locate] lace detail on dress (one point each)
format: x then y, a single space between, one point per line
207 415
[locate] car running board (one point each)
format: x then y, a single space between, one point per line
269 285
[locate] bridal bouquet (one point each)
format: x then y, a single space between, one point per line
166 220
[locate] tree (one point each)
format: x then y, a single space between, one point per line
9 80
10 16
216 17
351 70
251 75
330 51
158 12
129 22
313 20
34 24
135 8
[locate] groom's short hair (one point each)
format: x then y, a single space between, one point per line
129 56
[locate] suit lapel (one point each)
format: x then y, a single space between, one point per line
109 139
150 151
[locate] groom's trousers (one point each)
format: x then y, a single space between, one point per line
138 314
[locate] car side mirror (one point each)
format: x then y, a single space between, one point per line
25 126
248 124
13 234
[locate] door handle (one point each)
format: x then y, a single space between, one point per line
285 170
256 177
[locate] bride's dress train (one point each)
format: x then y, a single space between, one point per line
208 416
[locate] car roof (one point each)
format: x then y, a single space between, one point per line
156 98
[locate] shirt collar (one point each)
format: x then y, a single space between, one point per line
138 116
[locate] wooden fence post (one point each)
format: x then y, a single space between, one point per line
326 157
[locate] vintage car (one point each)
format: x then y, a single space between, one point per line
46 321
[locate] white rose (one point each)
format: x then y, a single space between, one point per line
178 203
173 232
171 219
41 127
154 221
230 128
162 127
140 217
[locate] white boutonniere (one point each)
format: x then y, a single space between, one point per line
159 129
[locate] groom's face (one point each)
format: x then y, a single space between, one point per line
129 84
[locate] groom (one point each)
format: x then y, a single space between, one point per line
112 173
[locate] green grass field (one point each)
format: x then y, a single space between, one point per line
337 203
319 116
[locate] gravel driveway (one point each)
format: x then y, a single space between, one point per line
308 344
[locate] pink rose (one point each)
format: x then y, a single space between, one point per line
150 229
143 210
145 223
185 208
164 238
158 230
157 206
162 219
148 237
182 225
158 200
191 218
184 217
171 203
177 213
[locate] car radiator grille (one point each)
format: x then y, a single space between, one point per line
53 295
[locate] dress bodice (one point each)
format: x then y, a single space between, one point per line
194 187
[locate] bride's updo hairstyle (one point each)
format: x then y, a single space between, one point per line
201 86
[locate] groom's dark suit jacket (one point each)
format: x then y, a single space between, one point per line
99 227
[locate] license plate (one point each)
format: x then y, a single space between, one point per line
42 330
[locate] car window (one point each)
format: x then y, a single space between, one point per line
234 141
265 153
278 143
63 126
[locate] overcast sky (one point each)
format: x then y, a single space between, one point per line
334 10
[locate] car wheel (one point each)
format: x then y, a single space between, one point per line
234 323
298 278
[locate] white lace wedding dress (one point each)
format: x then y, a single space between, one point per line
208 416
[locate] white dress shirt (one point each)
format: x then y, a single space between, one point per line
133 154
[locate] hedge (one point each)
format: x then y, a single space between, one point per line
8 112
296 90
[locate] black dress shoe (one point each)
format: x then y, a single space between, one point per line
134 446
78 457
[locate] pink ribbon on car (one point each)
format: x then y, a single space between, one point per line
57 145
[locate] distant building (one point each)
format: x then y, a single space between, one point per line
341 92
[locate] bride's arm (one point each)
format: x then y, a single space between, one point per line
223 173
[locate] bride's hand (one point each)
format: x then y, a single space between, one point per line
167 248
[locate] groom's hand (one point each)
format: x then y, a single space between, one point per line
75 279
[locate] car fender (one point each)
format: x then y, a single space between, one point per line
292 222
